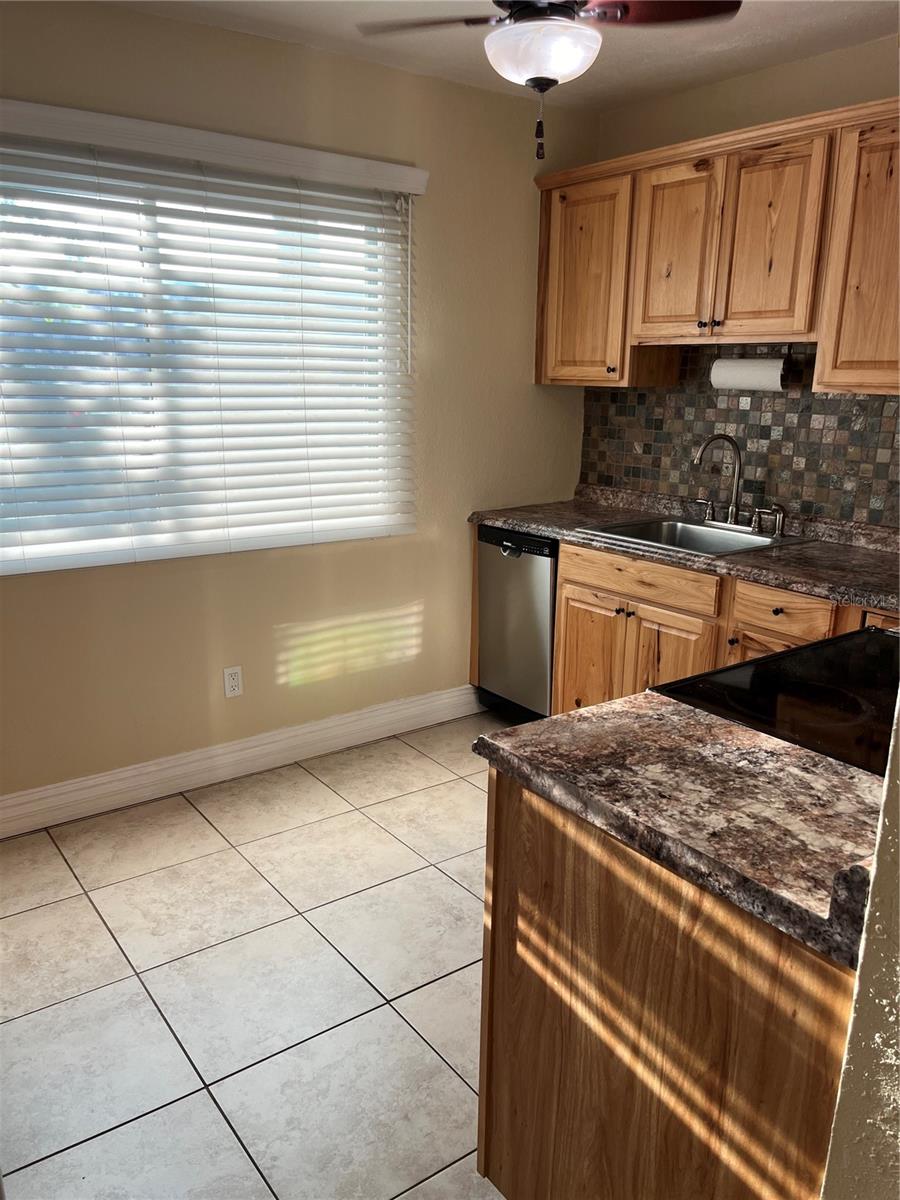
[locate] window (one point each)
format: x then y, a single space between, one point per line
196 359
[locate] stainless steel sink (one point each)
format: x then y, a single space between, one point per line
698 537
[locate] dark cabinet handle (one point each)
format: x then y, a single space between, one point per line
715 324
702 324
610 370
733 641
619 611
630 614
578 702
776 612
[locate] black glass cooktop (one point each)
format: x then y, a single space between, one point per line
836 696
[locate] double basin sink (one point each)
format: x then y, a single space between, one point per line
707 538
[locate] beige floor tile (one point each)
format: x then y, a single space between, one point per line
53 953
438 822
406 932
459 1182
258 805
182 1152
377 771
467 869
318 863
447 1013
480 779
451 743
131 841
360 1113
33 872
240 1001
80 1067
184 908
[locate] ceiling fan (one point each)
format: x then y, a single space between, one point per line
542 43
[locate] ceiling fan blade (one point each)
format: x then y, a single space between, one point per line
375 27
659 12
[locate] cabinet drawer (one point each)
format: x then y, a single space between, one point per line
693 591
792 613
881 620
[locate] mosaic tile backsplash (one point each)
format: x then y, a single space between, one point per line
822 455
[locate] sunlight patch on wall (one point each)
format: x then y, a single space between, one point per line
313 651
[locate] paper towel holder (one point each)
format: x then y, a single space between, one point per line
761 374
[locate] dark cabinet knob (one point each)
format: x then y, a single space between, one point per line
578 702
619 611
630 613
610 370
702 324
776 612
733 641
715 324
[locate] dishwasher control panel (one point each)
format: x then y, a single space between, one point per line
524 543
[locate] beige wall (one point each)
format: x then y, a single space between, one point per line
864 1157
103 667
849 76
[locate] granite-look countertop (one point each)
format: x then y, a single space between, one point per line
838 571
782 832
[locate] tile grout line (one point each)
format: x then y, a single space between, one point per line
103 1132
98 987
177 1039
439 1171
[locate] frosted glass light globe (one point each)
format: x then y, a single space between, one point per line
546 48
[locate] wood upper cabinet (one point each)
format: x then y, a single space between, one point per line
662 646
677 221
587 261
858 338
590 647
774 197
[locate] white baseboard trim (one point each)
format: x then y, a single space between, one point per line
21 812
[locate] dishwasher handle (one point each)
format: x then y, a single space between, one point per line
508 550
513 544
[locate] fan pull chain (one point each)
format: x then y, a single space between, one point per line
539 128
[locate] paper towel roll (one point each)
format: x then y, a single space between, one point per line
747 374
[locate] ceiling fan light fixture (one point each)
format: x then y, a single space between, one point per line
547 48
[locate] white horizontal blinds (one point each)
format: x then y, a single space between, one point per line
195 360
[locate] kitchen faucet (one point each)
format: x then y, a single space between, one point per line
738 468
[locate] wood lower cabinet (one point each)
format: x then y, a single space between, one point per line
590 647
584 329
641 1038
774 200
609 646
662 645
858 341
677 221
742 645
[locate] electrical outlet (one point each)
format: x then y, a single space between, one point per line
234 682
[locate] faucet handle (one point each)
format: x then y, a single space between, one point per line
780 514
709 509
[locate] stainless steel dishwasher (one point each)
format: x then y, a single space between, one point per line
516 589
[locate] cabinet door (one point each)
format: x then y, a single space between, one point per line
746 644
858 349
676 240
584 324
770 240
663 646
590 647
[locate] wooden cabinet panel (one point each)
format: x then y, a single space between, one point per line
774 197
590 647
787 614
882 620
586 282
678 1048
858 339
644 580
678 215
662 646
743 645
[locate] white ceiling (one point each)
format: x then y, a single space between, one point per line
634 63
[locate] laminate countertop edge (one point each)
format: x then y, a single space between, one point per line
844 574
784 833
